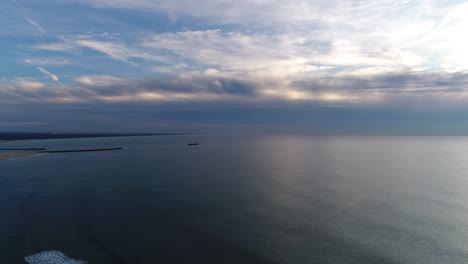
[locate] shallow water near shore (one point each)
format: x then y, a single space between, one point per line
239 199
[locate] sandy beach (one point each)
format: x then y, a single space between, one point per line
15 155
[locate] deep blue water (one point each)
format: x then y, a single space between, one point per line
246 199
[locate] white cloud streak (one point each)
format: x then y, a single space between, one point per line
48 61
62 46
48 74
105 44
36 25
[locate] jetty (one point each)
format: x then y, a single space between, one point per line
79 150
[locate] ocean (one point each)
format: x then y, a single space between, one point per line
239 199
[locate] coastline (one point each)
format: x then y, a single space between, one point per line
17 155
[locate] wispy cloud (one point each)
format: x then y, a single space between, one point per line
49 74
114 50
105 44
36 25
48 61
61 46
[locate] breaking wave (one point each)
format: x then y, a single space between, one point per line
51 257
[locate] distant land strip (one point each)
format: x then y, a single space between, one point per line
27 149
79 150
10 136
16 155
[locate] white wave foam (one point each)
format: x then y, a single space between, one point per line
51 257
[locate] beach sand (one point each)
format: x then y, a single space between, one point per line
15 155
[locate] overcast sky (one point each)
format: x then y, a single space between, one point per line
334 66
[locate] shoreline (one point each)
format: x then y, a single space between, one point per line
17 155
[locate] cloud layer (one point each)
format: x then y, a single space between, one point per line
349 54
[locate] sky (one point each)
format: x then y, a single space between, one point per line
331 67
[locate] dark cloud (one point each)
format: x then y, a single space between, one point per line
212 89
202 84
412 103
399 82
194 85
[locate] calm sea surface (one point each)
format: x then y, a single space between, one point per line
249 199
